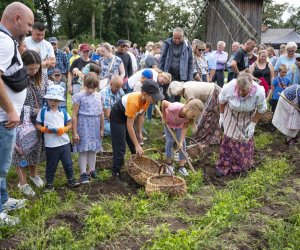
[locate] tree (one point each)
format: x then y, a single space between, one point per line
4 3
294 20
272 14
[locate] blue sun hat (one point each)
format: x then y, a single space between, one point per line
55 92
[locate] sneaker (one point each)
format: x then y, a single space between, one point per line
13 204
26 189
170 169
7 220
183 171
37 181
72 183
93 174
84 178
49 188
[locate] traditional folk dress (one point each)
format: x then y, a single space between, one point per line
236 152
208 130
286 117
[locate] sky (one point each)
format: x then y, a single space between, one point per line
295 3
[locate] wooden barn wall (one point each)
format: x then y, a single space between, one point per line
216 30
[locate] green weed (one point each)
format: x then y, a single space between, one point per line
262 140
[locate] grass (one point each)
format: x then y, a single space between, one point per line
234 216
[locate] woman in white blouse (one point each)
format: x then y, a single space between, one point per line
242 101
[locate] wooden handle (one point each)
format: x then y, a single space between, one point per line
175 139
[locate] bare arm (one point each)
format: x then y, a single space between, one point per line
222 108
140 121
75 122
131 132
122 70
164 106
251 68
106 113
211 74
13 118
270 92
272 72
256 117
234 67
102 125
70 78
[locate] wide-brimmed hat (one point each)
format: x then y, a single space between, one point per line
55 92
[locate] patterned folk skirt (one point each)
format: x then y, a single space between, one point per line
236 153
208 129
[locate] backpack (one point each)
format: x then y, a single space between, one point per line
26 134
44 109
19 80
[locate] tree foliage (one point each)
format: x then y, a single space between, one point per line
136 20
272 14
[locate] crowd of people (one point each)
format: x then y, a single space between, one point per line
113 90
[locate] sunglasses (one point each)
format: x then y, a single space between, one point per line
57 75
123 46
201 49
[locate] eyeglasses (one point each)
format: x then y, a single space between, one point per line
56 75
201 50
291 51
123 46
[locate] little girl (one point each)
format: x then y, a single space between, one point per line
34 100
88 126
178 117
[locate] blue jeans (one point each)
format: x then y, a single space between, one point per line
106 127
170 142
149 112
7 142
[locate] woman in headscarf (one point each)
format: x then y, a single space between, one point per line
242 101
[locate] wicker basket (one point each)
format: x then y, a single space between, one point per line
195 149
169 184
104 159
266 117
141 168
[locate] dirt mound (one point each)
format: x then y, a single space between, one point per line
69 218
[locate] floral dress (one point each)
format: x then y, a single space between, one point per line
34 99
88 126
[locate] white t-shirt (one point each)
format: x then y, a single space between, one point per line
54 119
44 48
135 79
133 62
7 48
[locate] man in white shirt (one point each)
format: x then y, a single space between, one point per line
16 22
37 43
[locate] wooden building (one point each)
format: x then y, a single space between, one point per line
232 20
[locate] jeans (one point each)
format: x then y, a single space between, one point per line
53 156
170 142
7 142
149 111
106 127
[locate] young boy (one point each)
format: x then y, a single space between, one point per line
125 112
56 76
55 122
279 83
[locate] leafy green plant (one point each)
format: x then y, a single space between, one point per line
262 140
194 181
